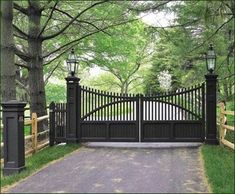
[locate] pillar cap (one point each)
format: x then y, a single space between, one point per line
211 76
13 103
72 78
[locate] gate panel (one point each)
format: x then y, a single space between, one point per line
175 116
108 116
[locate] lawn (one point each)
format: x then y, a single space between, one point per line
219 167
38 160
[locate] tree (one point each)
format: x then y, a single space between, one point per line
181 45
123 53
48 21
8 85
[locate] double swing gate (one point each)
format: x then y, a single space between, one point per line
107 116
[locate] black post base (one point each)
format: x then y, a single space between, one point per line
212 141
10 171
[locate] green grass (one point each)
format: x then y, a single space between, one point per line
219 167
38 160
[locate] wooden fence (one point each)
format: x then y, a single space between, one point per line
34 136
223 127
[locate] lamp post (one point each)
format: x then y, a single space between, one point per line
72 63
211 59
211 81
73 96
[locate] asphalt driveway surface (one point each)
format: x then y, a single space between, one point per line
117 170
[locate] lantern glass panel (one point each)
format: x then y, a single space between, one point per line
72 63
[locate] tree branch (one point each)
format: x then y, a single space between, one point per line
50 74
21 54
21 9
81 21
48 19
22 65
200 45
85 36
22 86
21 37
149 8
58 56
20 31
71 21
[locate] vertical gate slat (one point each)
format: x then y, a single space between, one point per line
192 103
106 107
95 106
182 104
155 106
195 102
89 104
64 119
109 106
165 106
102 103
115 106
92 104
86 103
98 105
199 102
186 117
133 106
158 107
149 101
174 101
123 105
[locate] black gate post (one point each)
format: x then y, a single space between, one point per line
72 109
211 127
13 137
52 124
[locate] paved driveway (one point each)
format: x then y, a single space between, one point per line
116 170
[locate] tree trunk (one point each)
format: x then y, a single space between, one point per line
36 82
126 87
8 70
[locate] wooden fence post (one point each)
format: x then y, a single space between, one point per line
222 121
34 132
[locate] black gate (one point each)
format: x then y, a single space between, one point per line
174 116
107 116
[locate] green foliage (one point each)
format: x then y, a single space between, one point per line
181 49
56 92
219 167
122 53
38 160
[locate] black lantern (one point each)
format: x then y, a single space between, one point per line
72 63
211 59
